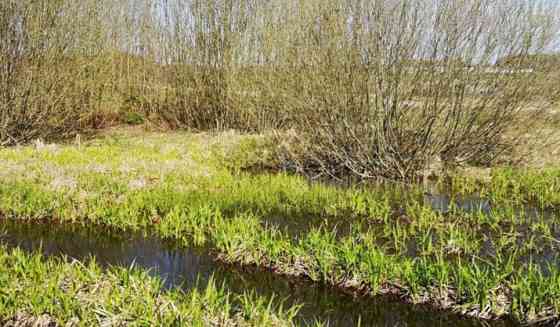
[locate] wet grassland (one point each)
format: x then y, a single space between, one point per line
484 248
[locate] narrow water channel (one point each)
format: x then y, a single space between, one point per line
187 268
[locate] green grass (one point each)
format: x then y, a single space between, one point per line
511 186
192 188
38 290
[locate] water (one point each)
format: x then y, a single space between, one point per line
444 203
187 268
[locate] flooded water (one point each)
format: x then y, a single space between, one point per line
444 203
187 268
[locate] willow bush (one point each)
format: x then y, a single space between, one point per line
47 89
370 87
366 87
388 87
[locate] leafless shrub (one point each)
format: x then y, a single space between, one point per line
373 87
389 87
49 81
370 87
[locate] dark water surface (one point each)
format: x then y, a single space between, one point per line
187 268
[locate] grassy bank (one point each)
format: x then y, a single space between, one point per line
57 292
192 188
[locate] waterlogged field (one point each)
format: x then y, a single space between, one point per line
486 248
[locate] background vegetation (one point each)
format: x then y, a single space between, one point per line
368 88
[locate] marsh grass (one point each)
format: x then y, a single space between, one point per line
62 291
475 263
514 186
